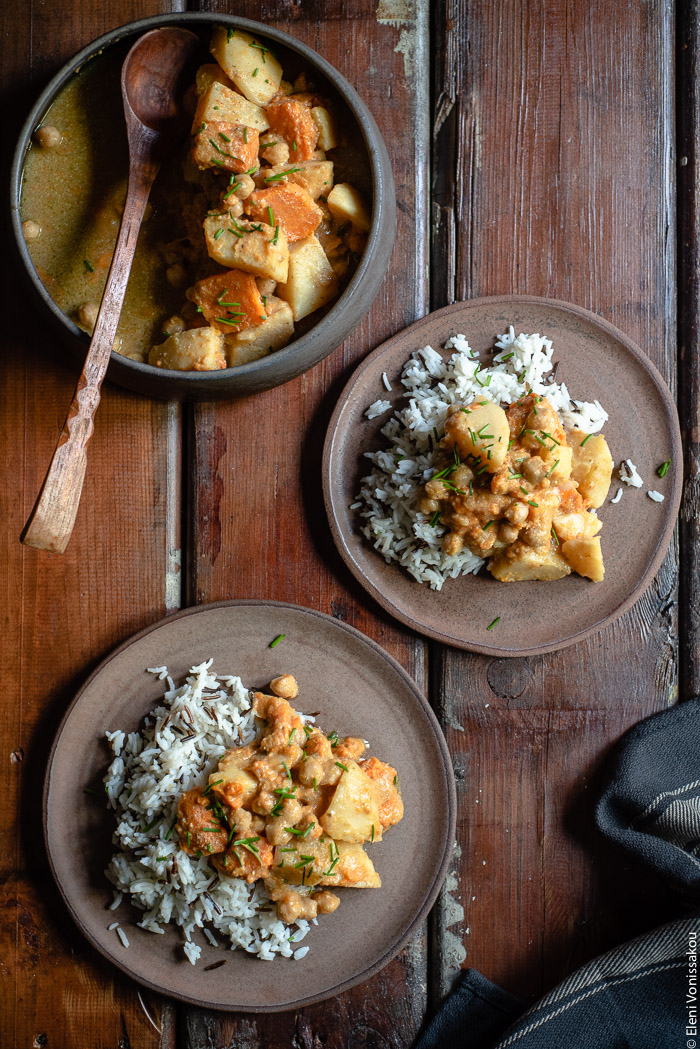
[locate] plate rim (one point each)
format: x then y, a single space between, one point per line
674 496
441 871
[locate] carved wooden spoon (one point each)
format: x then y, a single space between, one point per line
153 85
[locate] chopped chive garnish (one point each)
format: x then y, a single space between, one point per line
553 468
294 147
245 135
291 736
280 637
286 769
276 235
255 71
215 160
531 503
225 137
435 519
487 525
219 233
214 784
493 623
88 266
333 738
663 469
300 833
587 438
270 215
227 320
554 536
281 175
513 476
372 838
341 766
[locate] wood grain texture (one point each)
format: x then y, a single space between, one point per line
553 145
688 155
258 527
60 614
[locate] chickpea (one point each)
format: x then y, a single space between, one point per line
310 770
326 902
48 137
452 543
534 469
273 149
173 326
517 513
436 490
285 686
462 476
87 315
31 230
289 908
508 533
234 206
428 506
176 275
266 286
241 188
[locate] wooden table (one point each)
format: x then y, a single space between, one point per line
559 167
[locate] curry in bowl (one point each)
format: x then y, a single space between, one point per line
253 230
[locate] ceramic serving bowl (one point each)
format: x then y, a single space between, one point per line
306 350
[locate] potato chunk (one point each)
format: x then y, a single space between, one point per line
219 102
229 301
327 135
196 350
314 175
254 247
325 862
293 121
353 812
592 466
346 205
528 564
248 62
311 282
290 205
585 557
228 146
210 74
559 461
576 525
254 343
231 781
480 431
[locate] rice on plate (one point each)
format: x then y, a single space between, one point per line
181 741
389 496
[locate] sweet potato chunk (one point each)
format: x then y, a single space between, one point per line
251 246
195 350
230 301
288 205
294 122
223 145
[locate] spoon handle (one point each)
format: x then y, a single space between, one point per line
51 522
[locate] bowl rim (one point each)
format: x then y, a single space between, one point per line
381 175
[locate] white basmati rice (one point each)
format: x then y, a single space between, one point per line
389 494
178 747
629 474
656 496
618 495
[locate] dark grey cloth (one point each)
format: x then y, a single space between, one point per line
642 995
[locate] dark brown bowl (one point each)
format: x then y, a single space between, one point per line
307 350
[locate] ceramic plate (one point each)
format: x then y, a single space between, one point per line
596 361
359 690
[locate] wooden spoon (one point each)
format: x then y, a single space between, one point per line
153 82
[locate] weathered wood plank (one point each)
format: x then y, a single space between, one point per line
62 614
688 154
554 139
259 528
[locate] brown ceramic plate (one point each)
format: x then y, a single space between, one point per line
358 689
596 362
